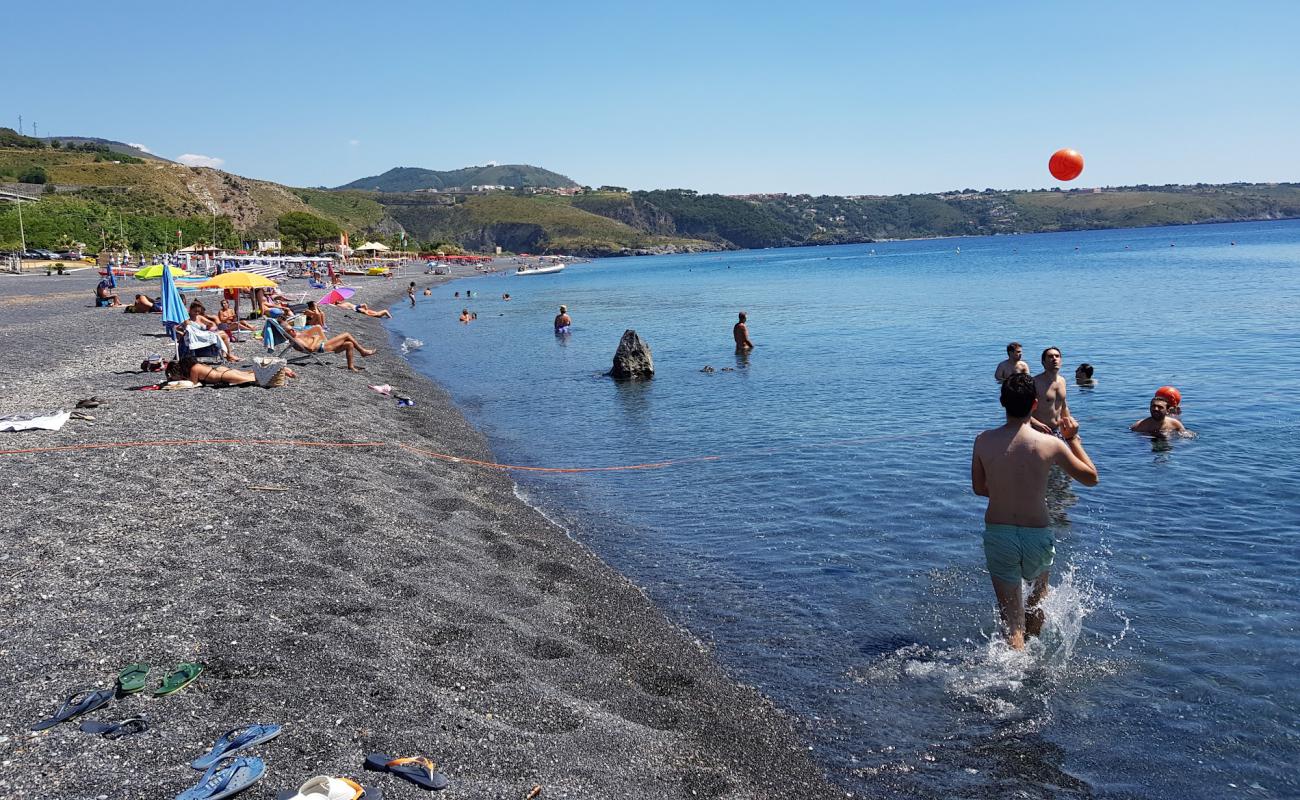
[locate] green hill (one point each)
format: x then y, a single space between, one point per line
107 144
413 179
95 195
525 224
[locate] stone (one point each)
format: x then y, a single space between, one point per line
632 360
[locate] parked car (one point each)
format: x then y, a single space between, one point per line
71 255
34 254
48 254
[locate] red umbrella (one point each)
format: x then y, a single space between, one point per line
336 295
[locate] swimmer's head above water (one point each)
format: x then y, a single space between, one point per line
1051 358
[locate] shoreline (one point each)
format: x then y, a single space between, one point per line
366 598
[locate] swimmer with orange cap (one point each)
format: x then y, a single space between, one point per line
1165 407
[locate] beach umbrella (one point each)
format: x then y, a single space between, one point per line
336 295
238 280
156 270
173 307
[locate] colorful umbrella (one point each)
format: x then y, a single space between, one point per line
238 280
336 295
156 270
173 307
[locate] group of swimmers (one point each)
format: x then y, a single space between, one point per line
1010 466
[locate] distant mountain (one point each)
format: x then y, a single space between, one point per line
117 147
413 179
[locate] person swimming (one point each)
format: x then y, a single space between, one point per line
1083 375
563 322
1162 419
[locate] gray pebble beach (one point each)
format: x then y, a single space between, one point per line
367 598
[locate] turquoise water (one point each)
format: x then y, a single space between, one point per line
831 552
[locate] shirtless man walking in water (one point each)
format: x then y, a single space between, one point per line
1050 385
1012 365
740 332
1009 466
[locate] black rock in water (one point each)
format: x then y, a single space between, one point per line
632 360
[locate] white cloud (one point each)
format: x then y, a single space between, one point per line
354 142
139 146
195 160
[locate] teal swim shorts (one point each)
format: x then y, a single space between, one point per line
1014 552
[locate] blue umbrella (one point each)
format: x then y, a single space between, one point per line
173 307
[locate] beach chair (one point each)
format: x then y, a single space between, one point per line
275 335
197 342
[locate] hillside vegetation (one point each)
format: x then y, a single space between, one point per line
102 197
412 179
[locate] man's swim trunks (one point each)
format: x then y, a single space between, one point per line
1014 552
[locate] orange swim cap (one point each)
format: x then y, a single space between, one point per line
1171 394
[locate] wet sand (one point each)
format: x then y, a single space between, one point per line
368 598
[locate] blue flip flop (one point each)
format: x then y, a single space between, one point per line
233 741
116 730
226 778
78 703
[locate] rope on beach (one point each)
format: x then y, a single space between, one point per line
672 462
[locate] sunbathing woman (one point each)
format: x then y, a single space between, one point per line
313 340
144 305
228 321
191 369
199 317
268 306
369 312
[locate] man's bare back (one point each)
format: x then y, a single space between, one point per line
1010 466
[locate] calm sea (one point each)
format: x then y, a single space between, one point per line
831 551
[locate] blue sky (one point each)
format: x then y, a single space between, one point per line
820 97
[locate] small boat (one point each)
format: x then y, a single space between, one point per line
541 270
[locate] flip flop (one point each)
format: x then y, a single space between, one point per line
232 741
324 787
226 778
183 676
116 730
416 769
132 678
78 703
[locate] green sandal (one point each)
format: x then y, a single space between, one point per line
182 677
132 677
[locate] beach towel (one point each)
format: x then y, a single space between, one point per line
197 337
35 421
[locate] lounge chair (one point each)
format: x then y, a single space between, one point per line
196 341
275 335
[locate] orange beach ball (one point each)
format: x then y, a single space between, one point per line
1065 164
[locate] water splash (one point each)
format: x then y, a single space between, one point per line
986 675
410 344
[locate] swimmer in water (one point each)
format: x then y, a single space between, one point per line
563 322
1051 407
1083 375
1009 466
1012 365
740 332
1161 420
464 315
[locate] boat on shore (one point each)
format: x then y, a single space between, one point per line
542 269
